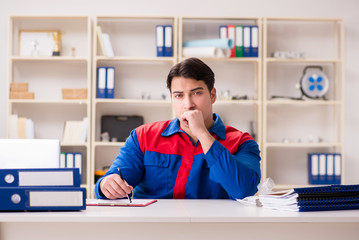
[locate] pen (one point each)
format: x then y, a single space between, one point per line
129 196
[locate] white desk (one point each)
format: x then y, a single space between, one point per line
180 219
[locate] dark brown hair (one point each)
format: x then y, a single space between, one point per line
192 68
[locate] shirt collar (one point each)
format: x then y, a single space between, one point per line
218 127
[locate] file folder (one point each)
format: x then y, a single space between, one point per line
239 41
254 41
330 169
42 198
160 38
78 161
101 82
223 31
231 35
322 167
110 82
313 163
168 42
69 160
246 41
337 168
35 177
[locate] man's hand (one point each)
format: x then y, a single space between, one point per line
193 120
113 187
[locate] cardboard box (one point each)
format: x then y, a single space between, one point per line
22 95
74 93
19 87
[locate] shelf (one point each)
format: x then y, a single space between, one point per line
108 144
134 101
47 59
301 102
35 101
74 144
235 59
239 102
136 59
299 60
300 145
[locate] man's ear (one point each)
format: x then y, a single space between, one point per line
213 95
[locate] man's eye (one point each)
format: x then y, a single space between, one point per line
197 93
178 95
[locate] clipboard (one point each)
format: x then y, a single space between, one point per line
120 202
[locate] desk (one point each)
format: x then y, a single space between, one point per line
180 219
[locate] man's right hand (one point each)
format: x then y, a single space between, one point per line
113 187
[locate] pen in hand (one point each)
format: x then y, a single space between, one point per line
129 196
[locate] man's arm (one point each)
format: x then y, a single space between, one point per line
130 162
239 174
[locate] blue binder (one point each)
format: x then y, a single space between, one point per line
110 82
42 198
64 177
254 41
160 39
333 197
168 41
101 82
247 41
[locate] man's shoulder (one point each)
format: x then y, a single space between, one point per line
153 128
235 134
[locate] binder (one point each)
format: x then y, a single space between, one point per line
322 168
78 161
246 41
63 160
333 197
36 177
100 40
101 82
110 82
223 31
239 41
313 163
42 198
231 35
160 40
69 160
330 169
168 42
107 45
337 168
254 41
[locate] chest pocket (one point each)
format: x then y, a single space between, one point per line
156 174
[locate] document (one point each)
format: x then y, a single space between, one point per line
120 202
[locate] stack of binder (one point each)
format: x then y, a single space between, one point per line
334 197
41 189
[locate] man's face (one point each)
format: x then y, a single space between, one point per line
189 94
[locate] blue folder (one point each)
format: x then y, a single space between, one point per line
42 198
65 177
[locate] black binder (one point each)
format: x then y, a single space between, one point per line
334 197
120 126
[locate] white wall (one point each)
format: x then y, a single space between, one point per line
346 9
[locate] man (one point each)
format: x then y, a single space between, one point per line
193 156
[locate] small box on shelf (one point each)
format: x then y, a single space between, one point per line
74 93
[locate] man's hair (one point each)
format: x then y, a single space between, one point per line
192 68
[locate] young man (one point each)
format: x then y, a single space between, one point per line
193 156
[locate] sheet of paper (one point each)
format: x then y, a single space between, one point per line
120 202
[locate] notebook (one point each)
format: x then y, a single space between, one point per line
120 202
333 197
29 153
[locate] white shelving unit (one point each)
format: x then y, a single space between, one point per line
140 77
294 128
47 75
240 76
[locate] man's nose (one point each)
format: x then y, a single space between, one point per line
188 103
